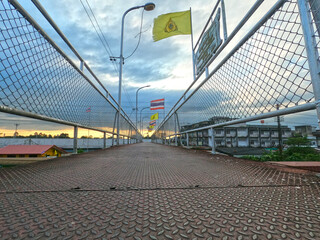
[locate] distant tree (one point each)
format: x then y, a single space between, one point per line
299 150
40 135
62 135
298 141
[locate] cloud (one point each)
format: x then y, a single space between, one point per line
165 65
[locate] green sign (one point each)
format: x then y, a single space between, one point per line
209 44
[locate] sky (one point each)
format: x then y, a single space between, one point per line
165 65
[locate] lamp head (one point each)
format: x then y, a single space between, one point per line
149 6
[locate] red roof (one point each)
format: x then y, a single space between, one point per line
28 149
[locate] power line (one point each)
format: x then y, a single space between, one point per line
99 28
105 43
140 33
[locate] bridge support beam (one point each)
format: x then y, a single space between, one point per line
75 139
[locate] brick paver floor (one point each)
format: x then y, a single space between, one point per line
150 191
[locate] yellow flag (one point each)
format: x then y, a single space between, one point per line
170 24
154 116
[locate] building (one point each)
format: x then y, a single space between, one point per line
316 133
310 132
305 130
251 136
31 151
263 136
211 121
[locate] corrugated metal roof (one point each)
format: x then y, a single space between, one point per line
28 149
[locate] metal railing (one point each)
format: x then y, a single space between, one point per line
39 80
276 62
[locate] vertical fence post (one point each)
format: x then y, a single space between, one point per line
81 66
207 72
178 127
187 139
224 20
213 151
104 140
114 126
279 133
175 130
312 51
75 139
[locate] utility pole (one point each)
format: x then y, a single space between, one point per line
16 132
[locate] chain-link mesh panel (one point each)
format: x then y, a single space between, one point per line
36 78
270 68
167 129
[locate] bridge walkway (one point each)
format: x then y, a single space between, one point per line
151 191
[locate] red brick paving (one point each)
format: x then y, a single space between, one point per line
150 191
310 166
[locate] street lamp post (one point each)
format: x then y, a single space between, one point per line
142 130
141 116
137 103
147 7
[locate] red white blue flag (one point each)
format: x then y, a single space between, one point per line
152 123
88 109
157 104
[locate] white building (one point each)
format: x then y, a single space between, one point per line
240 136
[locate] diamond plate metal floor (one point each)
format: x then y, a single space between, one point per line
150 191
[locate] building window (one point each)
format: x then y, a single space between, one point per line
11 156
33 155
21 155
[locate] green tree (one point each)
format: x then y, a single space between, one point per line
299 150
298 141
62 135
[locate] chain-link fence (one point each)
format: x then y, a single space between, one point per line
269 68
37 77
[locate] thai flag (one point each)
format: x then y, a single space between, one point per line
152 123
88 109
157 104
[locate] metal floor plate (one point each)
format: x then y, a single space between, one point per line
148 191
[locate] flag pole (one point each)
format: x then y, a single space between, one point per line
193 63
164 109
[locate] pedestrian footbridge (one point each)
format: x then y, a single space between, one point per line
153 191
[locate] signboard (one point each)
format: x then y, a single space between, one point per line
209 44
